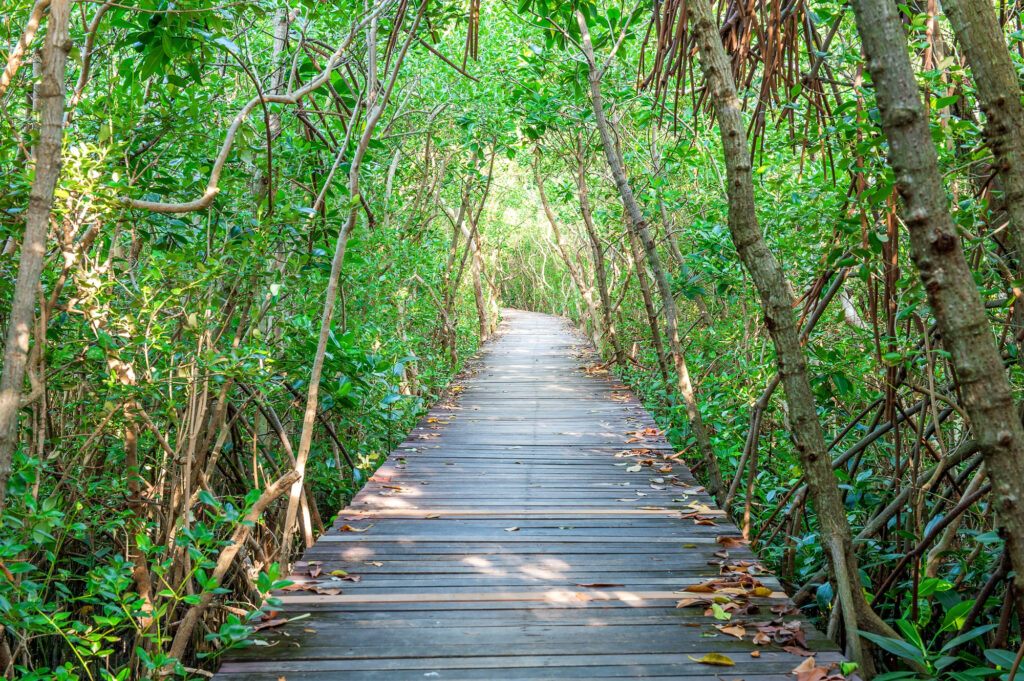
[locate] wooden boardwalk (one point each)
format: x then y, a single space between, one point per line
536 527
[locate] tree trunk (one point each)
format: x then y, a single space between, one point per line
673 245
376 102
936 250
645 293
574 272
639 224
597 251
777 303
477 266
978 30
50 103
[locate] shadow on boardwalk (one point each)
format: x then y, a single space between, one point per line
537 528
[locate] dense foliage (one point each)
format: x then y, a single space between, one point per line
191 411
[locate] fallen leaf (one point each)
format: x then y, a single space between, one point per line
431 516
374 563
799 651
761 639
731 542
716 659
633 469
761 591
348 528
329 592
805 666
270 624
511 529
339 573
733 630
755 653
700 589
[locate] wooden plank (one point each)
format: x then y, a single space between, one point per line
480 528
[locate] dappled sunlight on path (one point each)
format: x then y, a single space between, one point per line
535 526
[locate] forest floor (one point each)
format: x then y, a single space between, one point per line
536 525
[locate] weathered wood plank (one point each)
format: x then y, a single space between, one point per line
512 537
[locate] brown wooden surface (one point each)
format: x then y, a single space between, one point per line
482 530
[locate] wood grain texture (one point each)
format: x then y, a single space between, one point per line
533 526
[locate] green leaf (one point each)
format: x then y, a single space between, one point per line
1000 658
969 636
895 646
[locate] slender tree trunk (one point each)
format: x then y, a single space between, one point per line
50 104
777 303
978 30
936 250
639 224
645 293
597 251
574 272
377 100
477 267
673 245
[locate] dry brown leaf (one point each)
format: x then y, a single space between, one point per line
802 652
805 666
816 674
755 653
348 528
270 624
733 630
700 589
431 516
761 639
731 542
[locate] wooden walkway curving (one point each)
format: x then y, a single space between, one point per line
534 528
